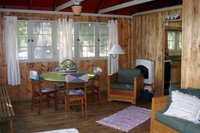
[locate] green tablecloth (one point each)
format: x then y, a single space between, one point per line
59 76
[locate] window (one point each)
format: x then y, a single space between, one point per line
91 40
103 40
36 39
42 40
22 40
39 40
174 41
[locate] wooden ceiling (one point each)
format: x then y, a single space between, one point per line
113 7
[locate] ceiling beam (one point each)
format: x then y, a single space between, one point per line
100 4
124 5
65 5
158 10
116 11
4 3
29 4
63 13
54 5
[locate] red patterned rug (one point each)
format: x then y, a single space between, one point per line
127 118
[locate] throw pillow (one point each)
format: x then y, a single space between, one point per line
184 106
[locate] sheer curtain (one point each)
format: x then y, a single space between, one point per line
66 39
13 71
113 39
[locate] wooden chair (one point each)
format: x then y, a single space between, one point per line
58 85
67 65
94 83
39 91
125 85
76 90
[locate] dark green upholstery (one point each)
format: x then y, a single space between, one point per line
127 75
175 123
121 86
190 91
192 128
179 124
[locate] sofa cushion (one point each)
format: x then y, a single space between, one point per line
121 86
192 128
126 75
190 91
184 106
175 123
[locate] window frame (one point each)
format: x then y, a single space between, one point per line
54 33
97 41
176 50
30 44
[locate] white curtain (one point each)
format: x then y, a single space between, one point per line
66 39
10 34
113 39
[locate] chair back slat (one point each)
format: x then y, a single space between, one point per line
74 85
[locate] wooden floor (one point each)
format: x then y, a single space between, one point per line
28 121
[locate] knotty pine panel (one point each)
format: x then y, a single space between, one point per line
140 37
149 43
190 70
23 91
176 72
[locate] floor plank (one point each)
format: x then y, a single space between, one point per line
28 121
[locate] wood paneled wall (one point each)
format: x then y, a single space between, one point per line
190 70
176 72
22 92
142 36
149 43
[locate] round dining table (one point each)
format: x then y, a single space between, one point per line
56 76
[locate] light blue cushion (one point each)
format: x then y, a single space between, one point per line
121 86
34 75
75 92
46 90
76 78
127 75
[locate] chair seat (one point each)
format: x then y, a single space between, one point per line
75 92
60 84
46 90
122 86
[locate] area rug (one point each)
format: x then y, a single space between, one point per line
127 118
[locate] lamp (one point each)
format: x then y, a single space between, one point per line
76 8
116 50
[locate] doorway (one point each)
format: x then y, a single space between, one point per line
173 48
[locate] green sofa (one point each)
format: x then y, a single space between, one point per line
180 125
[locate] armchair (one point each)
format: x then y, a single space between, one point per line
125 85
